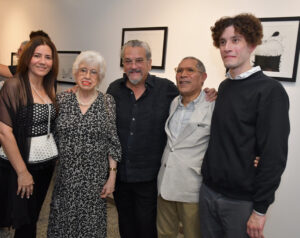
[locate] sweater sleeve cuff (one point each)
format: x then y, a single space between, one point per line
260 207
258 213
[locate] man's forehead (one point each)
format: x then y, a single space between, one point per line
188 63
135 50
233 32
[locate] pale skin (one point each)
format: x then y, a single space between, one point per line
9 144
139 71
86 84
86 87
40 65
136 72
109 187
189 80
4 70
235 53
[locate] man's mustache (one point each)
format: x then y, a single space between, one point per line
134 71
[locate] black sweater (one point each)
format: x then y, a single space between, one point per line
250 119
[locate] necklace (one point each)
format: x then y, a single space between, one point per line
49 109
88 103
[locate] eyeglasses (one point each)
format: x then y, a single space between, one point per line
137 61
188 70
84 71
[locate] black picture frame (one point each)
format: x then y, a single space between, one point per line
66 60
278 55
156 37
13 58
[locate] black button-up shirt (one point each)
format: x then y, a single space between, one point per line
140 125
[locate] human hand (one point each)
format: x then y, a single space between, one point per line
73 89
255 225
256 161
211 94
108 188
25 184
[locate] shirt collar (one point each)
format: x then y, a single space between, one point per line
245 74
192 103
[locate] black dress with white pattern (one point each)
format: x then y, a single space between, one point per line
84 143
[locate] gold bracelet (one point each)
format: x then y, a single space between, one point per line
113 169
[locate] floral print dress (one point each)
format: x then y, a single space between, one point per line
84 142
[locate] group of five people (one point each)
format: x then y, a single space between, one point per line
169 141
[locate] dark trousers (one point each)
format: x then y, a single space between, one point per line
136 204
26 231
223 217
22 214
42 179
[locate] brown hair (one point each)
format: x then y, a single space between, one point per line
245 24
38 33
23 65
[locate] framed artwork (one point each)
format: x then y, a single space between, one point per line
278 55
156 37
66 60
13 59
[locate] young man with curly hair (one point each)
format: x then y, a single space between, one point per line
250 119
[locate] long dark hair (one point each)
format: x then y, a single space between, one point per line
23 67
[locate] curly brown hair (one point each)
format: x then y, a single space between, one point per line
245 24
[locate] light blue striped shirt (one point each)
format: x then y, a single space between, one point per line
181 116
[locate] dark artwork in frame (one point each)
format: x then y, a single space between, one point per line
278 55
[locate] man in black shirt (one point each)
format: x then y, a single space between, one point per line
250 119
142 107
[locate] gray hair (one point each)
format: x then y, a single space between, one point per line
91 58
24 42
137 43
199 64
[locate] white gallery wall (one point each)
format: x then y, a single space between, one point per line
97 25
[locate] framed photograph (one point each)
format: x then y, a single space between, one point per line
13 59
156 37
66 60
278 54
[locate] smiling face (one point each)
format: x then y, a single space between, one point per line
136 65
235 51
189 79
41 62
87 76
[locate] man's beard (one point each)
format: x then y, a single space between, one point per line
135 81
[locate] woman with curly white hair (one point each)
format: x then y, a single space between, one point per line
89 149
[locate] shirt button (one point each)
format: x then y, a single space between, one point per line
131 133
172 149
133 119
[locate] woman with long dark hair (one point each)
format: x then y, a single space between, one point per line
27 156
